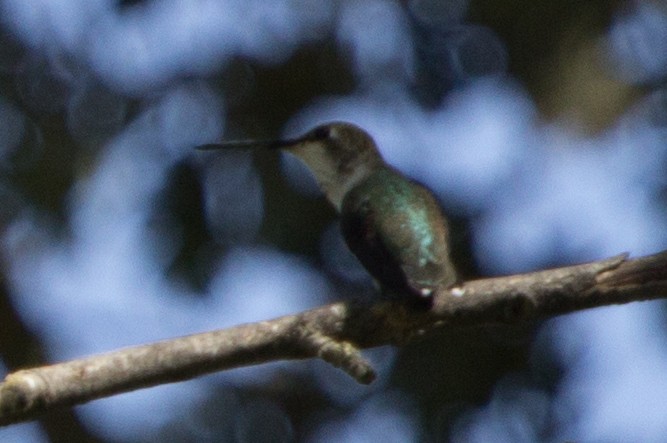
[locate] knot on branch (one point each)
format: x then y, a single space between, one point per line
20 392
341 354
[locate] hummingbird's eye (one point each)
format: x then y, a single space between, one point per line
322 133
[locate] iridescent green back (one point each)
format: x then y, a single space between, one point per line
397 230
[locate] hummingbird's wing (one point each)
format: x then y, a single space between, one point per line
359 226
396 229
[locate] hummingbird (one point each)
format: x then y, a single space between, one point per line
393 225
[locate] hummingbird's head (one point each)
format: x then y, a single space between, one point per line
339 155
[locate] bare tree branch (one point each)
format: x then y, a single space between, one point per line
334 333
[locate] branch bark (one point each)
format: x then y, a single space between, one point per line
334 333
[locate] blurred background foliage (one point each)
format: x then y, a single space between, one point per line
539 124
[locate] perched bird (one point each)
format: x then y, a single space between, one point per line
393 225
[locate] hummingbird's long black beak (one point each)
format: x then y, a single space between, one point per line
249 144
